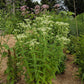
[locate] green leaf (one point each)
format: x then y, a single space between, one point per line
12 82
6 46
8 77
4 54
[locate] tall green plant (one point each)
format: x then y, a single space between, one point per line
38 53
35 46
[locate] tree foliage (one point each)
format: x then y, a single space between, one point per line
2 3
29 3
79 5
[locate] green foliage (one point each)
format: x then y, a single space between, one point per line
2 4
76 43
68 17
80 22
72 46
38 53
35 46
80 57
13 69
9 23
79 5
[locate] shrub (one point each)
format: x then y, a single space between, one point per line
38 53
9 23
80 57
73 45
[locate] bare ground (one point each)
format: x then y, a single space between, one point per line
9 39
68 77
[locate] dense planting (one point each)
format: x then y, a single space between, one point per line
80 56
43 37
39 51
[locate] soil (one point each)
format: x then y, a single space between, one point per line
9 39
69 76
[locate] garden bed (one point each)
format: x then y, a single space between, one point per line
67 78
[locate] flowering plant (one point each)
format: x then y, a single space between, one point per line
38 52
24 10
43 42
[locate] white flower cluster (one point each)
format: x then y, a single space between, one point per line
44 19
44 30
39 19
62 39
32 43
62 24
63 28
44 25
16 30
28 21
25 25
20 36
